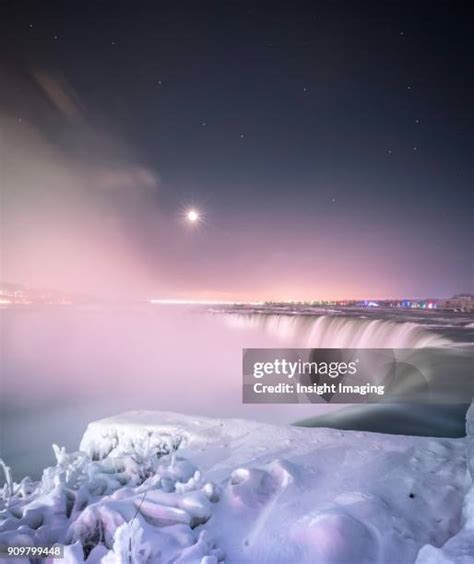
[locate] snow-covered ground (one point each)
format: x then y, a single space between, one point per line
459 549
162 487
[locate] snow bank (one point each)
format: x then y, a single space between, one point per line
460 548
162 487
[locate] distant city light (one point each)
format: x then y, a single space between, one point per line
201 302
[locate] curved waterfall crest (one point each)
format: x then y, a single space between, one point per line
333 331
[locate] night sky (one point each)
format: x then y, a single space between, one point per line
327 146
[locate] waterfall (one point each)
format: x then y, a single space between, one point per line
330 331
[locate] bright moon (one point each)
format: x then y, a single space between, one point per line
192 216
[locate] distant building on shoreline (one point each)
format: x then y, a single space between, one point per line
460 302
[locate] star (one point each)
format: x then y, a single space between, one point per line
203 123
241 135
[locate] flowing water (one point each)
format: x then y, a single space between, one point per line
65 366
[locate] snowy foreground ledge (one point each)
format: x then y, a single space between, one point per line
162 487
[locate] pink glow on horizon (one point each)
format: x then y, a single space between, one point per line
98 227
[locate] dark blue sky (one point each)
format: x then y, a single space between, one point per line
322 133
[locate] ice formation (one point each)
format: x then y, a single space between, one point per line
162 487
142 504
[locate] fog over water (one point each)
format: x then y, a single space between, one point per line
65 366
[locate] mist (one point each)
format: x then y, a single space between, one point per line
78 209
82 363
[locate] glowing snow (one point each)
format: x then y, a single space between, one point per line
162 487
